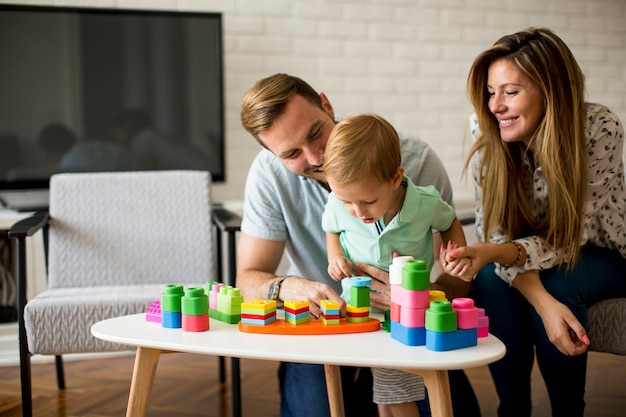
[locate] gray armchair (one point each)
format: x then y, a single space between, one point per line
113 241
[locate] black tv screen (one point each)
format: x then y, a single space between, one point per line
85 89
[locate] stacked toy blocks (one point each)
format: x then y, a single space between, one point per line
195 310
329 312
358 309
410 297
297 312
171 313
225 302
191 308
258 312
421 317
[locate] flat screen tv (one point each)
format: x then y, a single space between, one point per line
90 89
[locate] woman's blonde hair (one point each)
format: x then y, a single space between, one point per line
360 147
558 145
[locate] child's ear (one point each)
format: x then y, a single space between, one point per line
397 178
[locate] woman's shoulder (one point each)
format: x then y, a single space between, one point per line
597 112
601 119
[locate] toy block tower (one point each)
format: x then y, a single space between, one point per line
329 312
171 314
297 312
358 307
258 312
410 297
212 289
195 310
228 308
451 325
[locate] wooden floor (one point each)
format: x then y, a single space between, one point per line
187 385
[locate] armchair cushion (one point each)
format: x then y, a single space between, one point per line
607 326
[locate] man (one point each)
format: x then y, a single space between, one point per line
285 197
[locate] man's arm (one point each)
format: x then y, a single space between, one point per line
257 261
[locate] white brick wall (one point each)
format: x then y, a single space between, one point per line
404 59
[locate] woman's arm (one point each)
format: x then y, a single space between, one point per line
562 327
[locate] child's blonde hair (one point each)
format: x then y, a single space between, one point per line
360 147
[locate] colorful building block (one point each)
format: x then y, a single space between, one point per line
329 312
297 312
258 312
410 336
458 339
171 296
466 312
395 269
415 275
483 323
357 314
195 310
441 317
153 313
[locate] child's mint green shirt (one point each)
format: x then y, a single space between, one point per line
408 233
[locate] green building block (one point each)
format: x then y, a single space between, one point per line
415 275
441 317
171 298
195 302
360 296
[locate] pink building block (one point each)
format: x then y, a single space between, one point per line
410 298
483 323
412 317
467 313
394 311
153 313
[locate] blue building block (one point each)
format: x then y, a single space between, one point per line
410 336
171 320
458 339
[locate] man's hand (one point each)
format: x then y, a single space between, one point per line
380 291
296 288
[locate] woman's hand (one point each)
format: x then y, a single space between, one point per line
475 257
562 327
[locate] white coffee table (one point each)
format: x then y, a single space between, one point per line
371 349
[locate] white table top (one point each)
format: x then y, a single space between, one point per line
375 349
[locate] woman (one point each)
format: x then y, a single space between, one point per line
550 204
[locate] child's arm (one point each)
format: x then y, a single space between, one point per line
453 238
339 266
454 233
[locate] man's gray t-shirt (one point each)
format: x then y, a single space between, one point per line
282 206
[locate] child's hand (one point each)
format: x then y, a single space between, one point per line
460 267
339 268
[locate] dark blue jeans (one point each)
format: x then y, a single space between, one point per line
599 274
303 392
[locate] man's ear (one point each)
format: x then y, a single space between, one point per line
327 106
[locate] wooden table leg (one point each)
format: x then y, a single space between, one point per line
335 392
438 387
146 361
